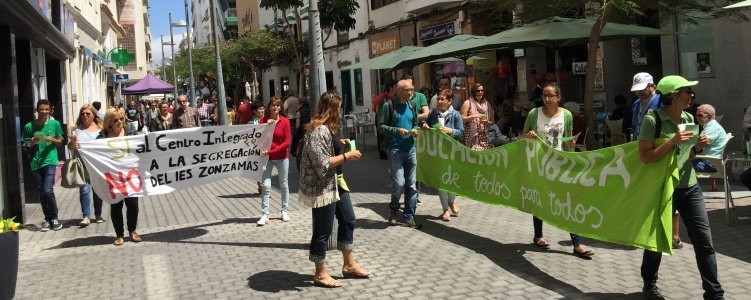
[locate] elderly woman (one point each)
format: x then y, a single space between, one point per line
114 126
448 121
553 124
477 115
279 157
323 189
88 126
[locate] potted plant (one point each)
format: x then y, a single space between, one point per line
8 257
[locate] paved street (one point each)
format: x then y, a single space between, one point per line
203 243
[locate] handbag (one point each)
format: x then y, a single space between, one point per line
73 173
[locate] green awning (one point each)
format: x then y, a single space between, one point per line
740 4
387 61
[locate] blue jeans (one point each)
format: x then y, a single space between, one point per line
323 223
702 165
537 223
45 178
690 204
402 169
84 194
282 167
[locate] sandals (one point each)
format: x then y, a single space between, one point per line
584 255
540 243
445 217
454 210
330 283
357 273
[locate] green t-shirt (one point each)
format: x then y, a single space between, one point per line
686 174
46 153
419 100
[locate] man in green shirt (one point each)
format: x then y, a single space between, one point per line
46 135
662 133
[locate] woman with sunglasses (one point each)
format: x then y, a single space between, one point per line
163 121
88 127
114 126
554 125
477 114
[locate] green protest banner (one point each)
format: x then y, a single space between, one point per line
607 194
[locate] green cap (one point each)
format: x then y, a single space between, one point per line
669 84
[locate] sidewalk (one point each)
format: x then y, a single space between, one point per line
203 243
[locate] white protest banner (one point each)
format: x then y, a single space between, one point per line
165 161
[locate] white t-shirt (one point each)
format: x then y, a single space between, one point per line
551 130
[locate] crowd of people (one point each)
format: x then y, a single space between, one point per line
312 135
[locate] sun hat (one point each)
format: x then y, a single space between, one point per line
641 80
669 84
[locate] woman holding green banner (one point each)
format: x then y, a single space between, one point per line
448 121
322 188
554 125
663 132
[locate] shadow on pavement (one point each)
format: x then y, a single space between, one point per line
505 256
732 241
180 235
275 281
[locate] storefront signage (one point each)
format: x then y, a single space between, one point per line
579 68
383 46
438 31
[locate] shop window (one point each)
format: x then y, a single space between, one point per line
696 47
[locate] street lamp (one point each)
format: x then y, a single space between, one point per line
219 75
164 75
190 58
172 40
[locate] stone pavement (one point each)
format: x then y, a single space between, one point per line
203 243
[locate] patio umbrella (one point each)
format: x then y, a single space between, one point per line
451 47
740 4
558 32
386 61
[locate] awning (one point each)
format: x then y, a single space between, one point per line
30 24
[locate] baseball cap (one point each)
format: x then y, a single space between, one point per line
641 80
671 83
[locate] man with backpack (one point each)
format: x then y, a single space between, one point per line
648 99
397 121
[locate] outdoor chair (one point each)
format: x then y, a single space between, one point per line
719 164
617 137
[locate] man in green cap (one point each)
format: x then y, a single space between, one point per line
670 130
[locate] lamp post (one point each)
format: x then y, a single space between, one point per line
172 45
219 76
164 75
190 58
179 24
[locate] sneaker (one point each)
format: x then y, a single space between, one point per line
45 226
285 216
56 225
653 293
419 202
263 220
411 224
84 222
392 217
99 220
677 244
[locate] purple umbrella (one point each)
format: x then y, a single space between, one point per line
148 85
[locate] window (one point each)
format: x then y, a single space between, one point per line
695 47
342 37
380 3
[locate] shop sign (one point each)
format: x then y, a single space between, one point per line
383 46
438 31
579 68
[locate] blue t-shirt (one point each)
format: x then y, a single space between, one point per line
404 118
638 113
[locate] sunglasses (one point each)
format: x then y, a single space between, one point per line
86 113
120 120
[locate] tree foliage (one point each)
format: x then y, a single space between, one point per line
241 59
334 14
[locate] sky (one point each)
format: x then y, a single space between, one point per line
159 21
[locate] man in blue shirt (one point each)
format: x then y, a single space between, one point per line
398 124
643 87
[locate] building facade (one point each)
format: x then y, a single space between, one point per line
39 40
